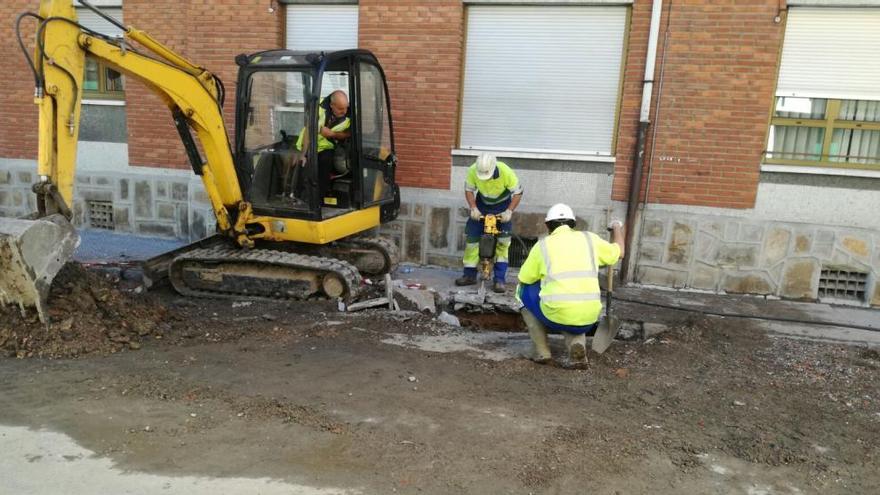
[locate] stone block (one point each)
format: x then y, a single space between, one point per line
143 199
412 251
529 224
655 229
731 231
121 219
680 244
706 247
652 275
404 210
653 329
715 229
161 189
166 211
798 280
156 229
102 181
78 213
198 227
17 198
462 213
5 177
123 189
875 301
95 195
802 243
83 179
5 198
825 237
705 278
416 299
736 255
651 252
183 220
747 283
438 235
179 191
25 178
444 260
751 233
418 211
856 246
200 197
775 246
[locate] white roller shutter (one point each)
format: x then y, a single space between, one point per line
95 22
542 78
322 27
831 53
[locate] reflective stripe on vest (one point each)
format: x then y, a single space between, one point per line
592 272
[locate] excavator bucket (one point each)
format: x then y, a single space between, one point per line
31 254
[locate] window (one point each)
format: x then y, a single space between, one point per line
827 106
102 82
322 27
828 132
542 79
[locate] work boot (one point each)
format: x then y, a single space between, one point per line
499 287
577 357
465 280
538 333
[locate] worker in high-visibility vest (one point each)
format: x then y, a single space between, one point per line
559 283
491 187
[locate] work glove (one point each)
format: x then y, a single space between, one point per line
615 223
476 215
505 216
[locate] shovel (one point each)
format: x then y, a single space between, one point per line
609 325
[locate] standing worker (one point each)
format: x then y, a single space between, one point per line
491 188
559 283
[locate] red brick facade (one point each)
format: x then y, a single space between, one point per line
419 43
719 78
18 114
714 107
210 34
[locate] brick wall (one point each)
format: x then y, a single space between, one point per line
419 44
18 114
210 34
719 80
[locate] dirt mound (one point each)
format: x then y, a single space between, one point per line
88 314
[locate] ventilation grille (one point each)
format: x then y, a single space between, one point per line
100 214
842 284
519 250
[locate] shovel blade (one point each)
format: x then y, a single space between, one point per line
605 334
31 254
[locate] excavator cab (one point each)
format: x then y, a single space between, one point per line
285 167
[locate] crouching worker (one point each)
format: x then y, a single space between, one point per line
559 284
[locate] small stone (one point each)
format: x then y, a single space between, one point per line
449 319
240 415
411 379
622 372
134 346
738 403
138 289
148 429
192 415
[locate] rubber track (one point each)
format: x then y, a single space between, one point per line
383 244
349 275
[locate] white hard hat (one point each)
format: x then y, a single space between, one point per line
486 164
559 211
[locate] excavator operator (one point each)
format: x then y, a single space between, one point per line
334 129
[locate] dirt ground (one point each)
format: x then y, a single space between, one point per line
300 392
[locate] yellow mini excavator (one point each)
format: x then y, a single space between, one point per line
292 212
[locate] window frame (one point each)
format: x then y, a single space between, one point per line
830 123
102 93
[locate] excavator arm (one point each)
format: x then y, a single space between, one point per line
191 93
32 251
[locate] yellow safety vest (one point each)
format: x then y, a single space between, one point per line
567 264
323 143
